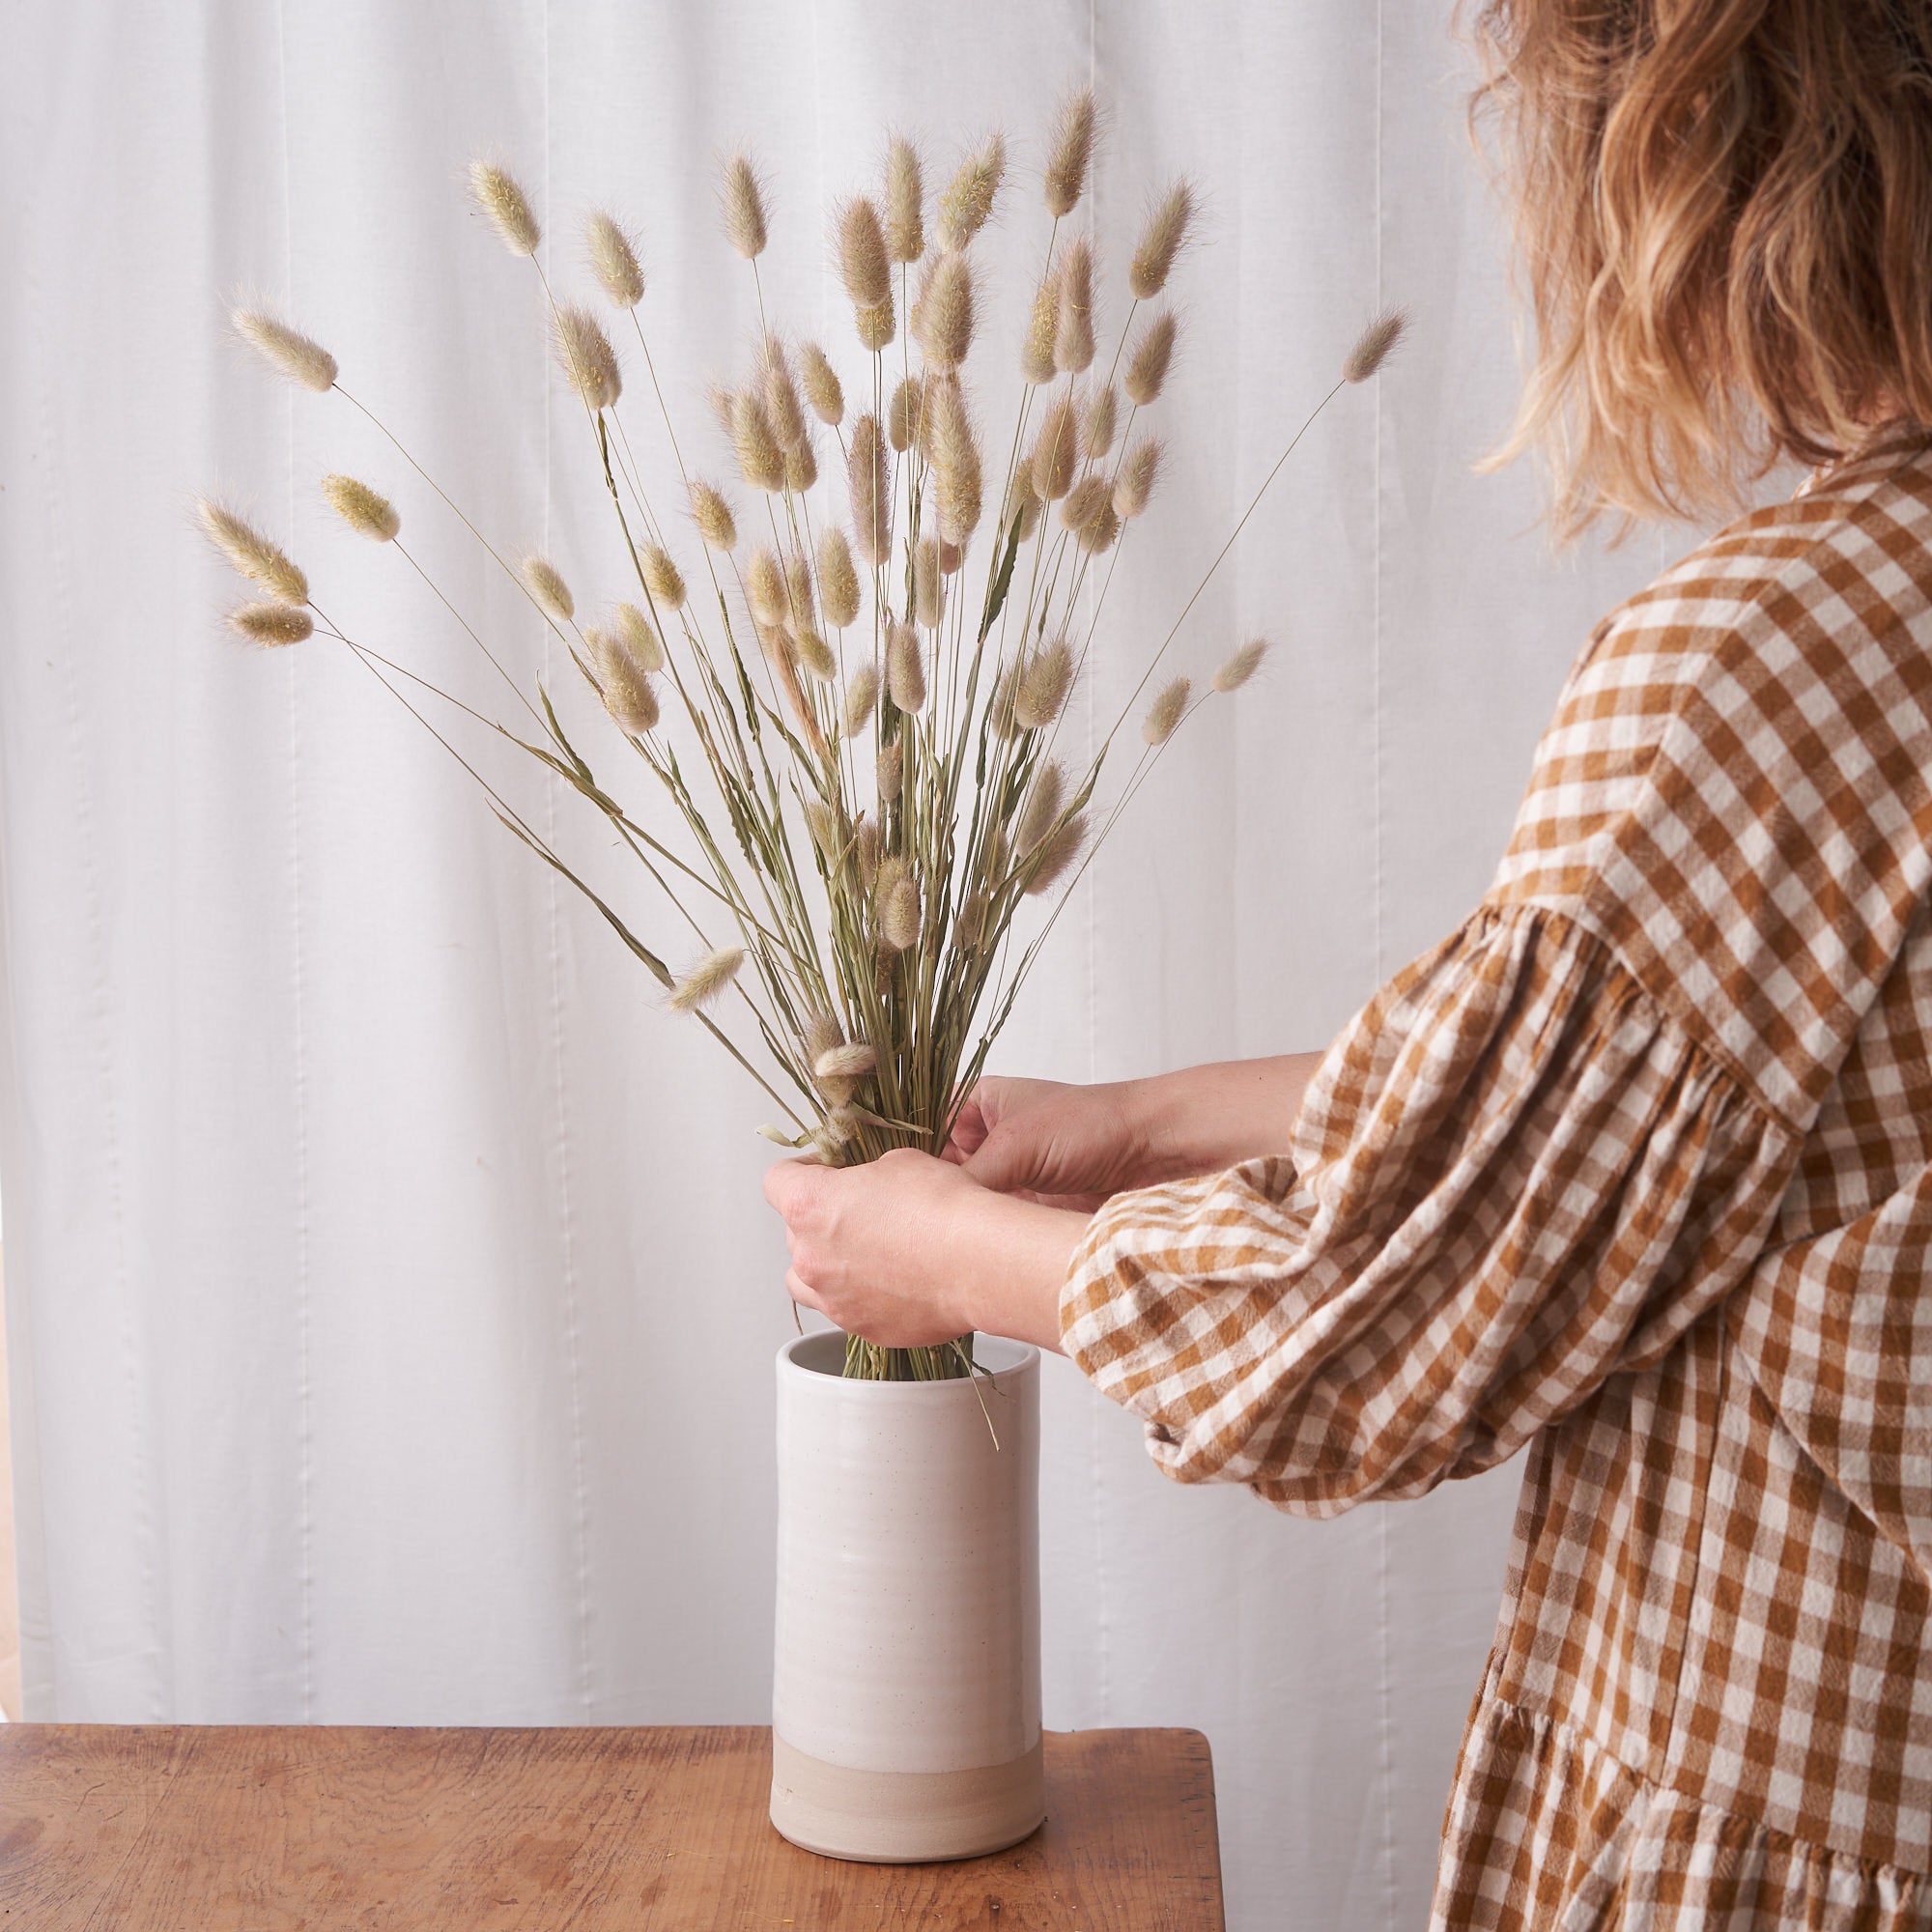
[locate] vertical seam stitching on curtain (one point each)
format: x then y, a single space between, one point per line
1386 1715
573 1310
305 1352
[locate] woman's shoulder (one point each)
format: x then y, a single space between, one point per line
1736 789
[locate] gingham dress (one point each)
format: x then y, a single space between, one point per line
1635 1171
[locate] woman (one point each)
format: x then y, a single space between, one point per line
1635 1170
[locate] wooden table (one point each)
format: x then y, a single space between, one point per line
224 1829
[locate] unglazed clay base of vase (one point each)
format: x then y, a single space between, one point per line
905 1692
905 1817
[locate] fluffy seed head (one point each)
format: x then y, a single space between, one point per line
957 486
765 587
1083 502
744 197
1042 325
614 261
780 392
1099 535
863 260
496 192
544 583
1074 333
298 358
251 553
1021 502
968 923
861 697
621 680
362 509
995 854
929 592
838 580
1152 354
814 654
1054 450
898 904
822 387
1374 345
905 196
966 204
1054 859
905 666
849 1060
1071 154
712 514
866 848
801 469
760 457
798 588
1165 711
891 771
950 557
903 412
1241 666
946 310
1134 485
871 494
1000 707
272 623
1043 685
876 325
663 579
822 822
1102 419
1040 813
703 982
1161 240
587 357
638 636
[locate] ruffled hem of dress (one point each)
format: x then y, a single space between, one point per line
1547 1829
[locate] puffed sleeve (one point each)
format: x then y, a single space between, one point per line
1513 1177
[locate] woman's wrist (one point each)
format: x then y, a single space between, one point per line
1014 1259
1201 1119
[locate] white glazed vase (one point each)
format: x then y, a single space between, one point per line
905 1699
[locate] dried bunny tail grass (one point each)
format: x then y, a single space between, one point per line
1037 364
1071 154
957 482
845 1060
903 412
495 191
1022 505
1040 813
1074 333
781 650
1374 345
1043 685
1099 424
765 587
815 654
272 623
1134 485
639 637
876 325
823 389
1236 670
950 557
663 579
871 493
587 357
838 579
966 204
1000 707
544 583
760 457
614 260
295 355
781 394
702 983
968 923
995 853
861 698
798 588
801 469
891 771
622 683
1099 534
743 198
895 898
865 850
822 1034
822 822
1162 239
863 261
252 555
946 310
905 201
1165 712
1055 859
1152 358
1083 502
905 666
712 515
928 589
363 509
1055 449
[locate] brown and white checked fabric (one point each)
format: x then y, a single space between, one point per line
1635 1169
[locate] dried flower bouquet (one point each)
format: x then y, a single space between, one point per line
851 693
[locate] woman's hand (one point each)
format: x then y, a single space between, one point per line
907 1252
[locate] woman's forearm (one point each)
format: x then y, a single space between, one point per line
1201 1119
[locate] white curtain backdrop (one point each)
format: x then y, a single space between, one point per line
391 1303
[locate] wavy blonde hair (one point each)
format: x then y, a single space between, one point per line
1723 222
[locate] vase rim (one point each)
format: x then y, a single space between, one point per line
1002 1358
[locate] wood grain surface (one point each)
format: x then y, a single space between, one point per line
225 1828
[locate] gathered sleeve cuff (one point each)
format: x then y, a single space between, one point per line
1513 1177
